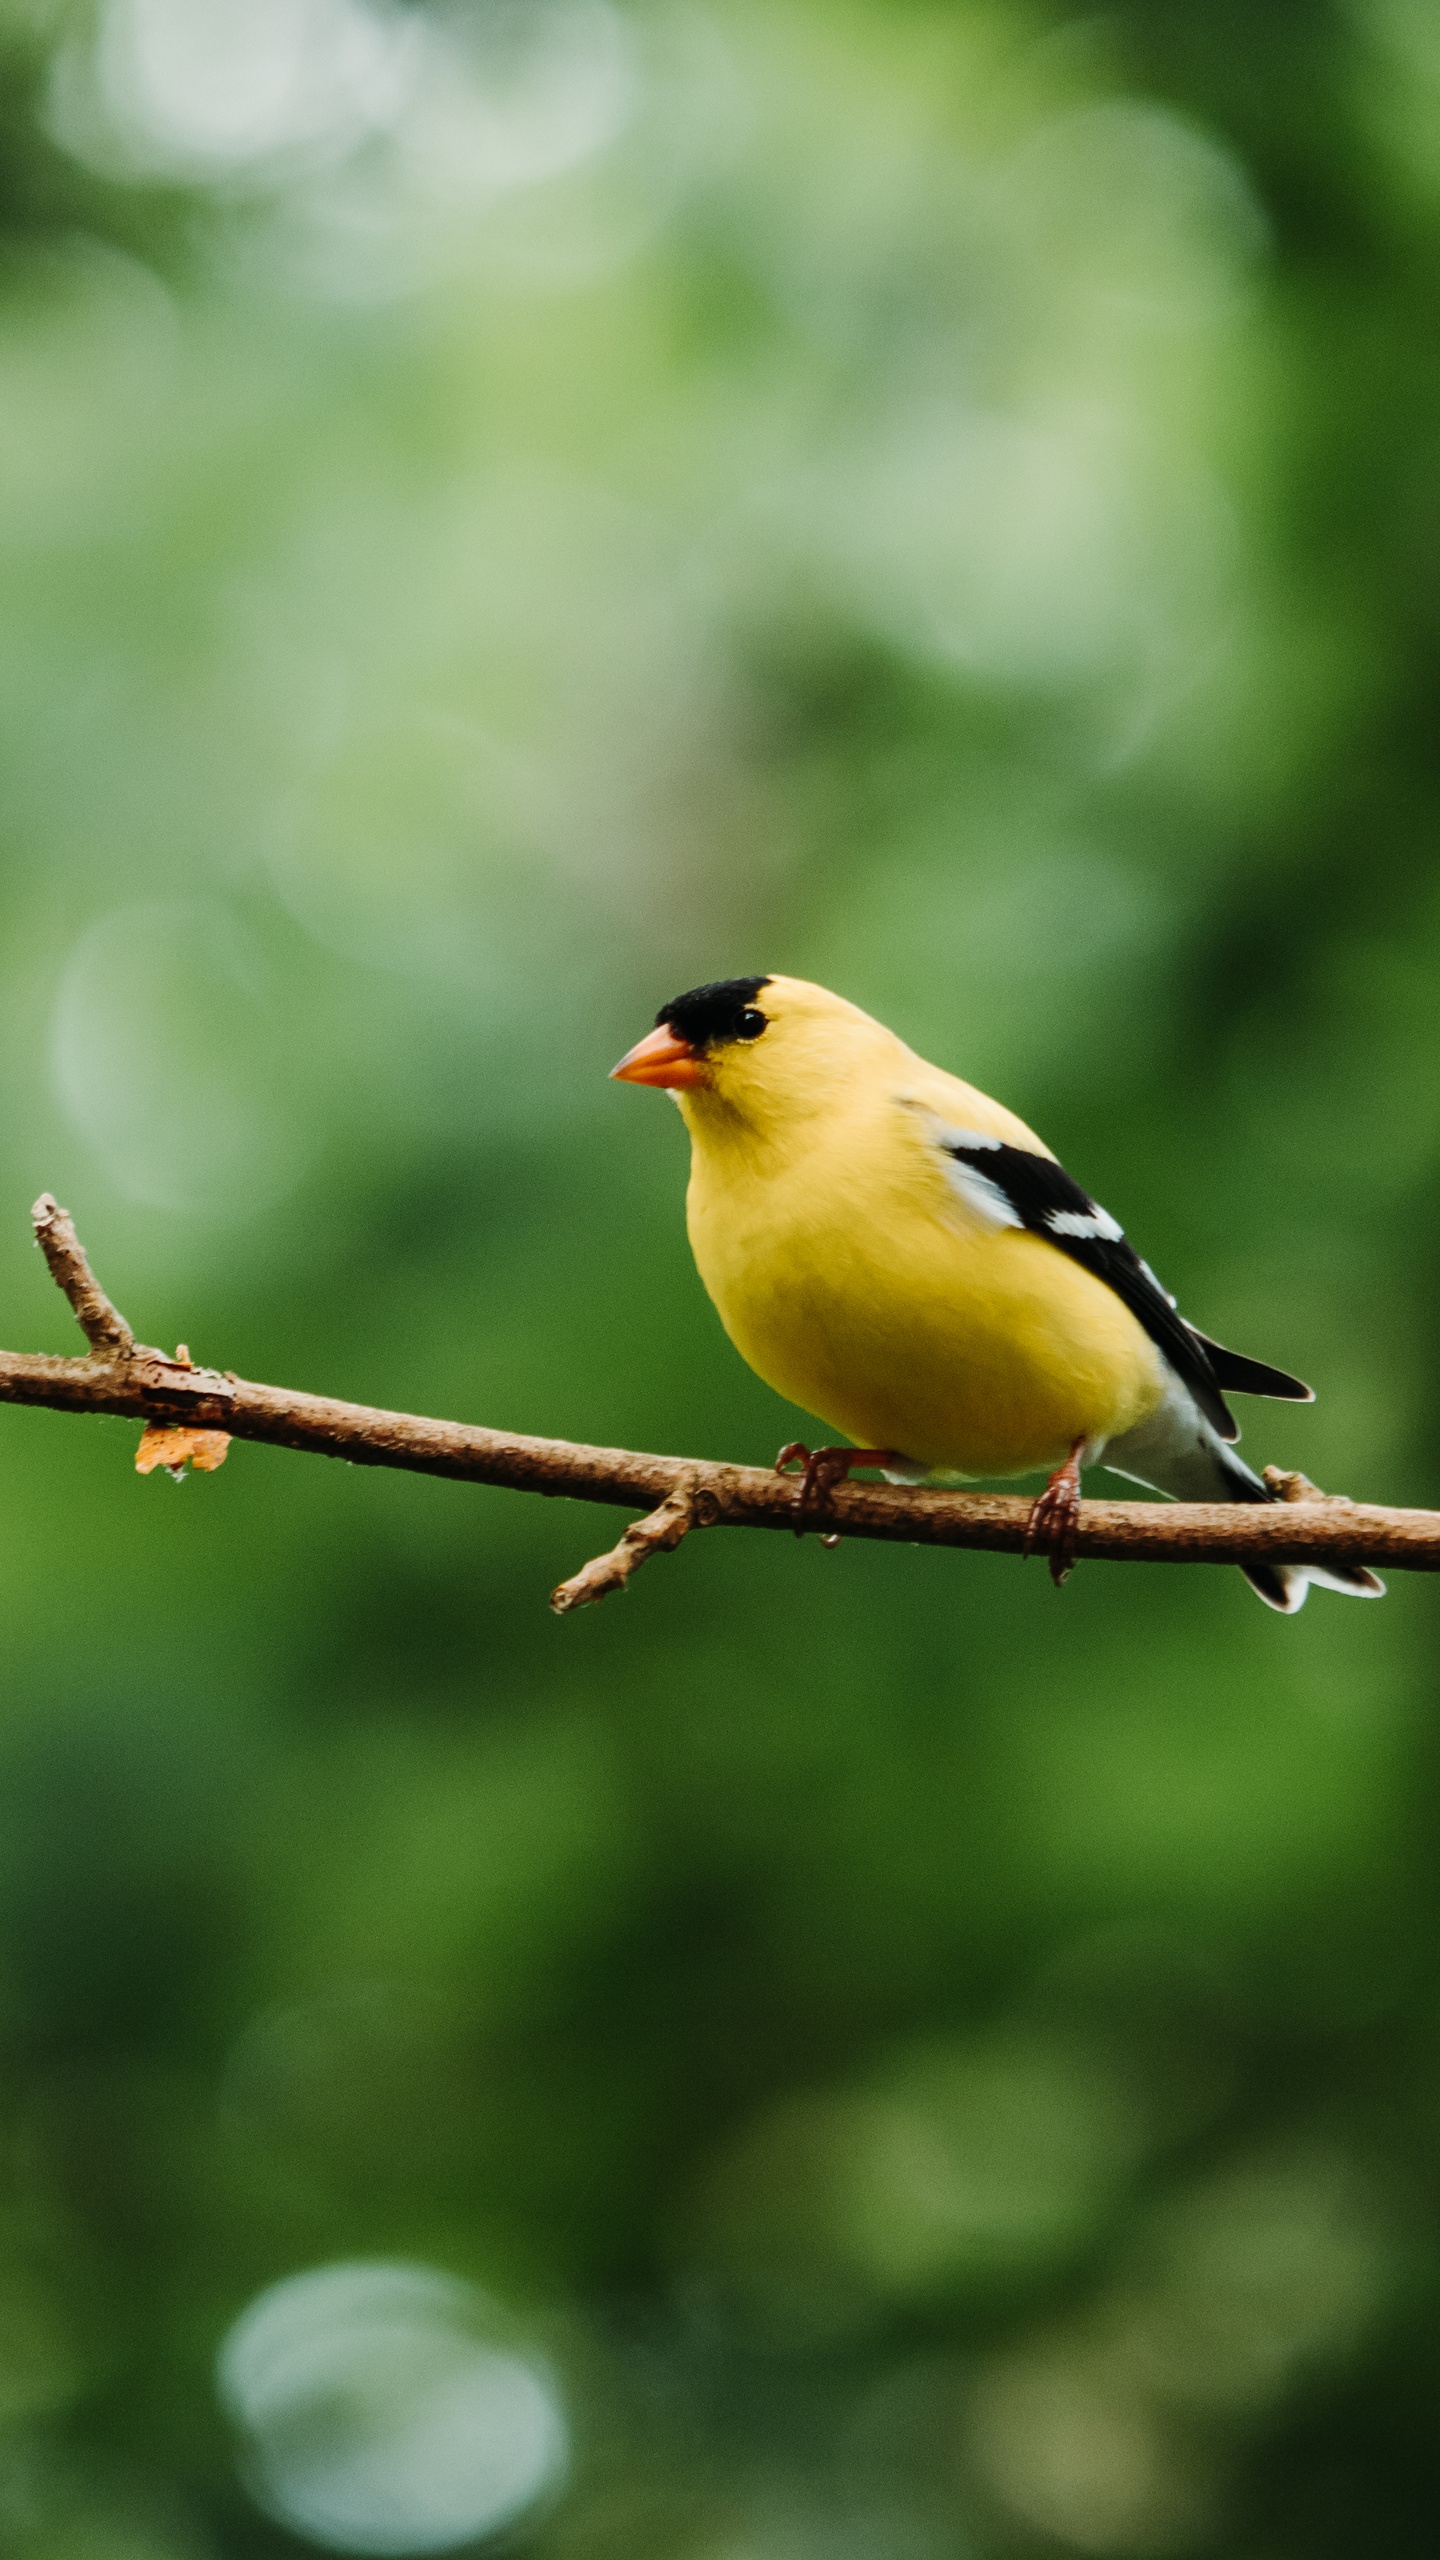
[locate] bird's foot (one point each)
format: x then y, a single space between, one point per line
823 1469
1055 1517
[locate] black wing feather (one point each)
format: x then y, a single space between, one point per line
1045 1200
1245 1377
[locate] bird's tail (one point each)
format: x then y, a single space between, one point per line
1283 1586
1179 1452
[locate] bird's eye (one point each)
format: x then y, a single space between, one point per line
751 1023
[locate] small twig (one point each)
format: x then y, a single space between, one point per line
655 1535
121 1376
101 1322
1288 1485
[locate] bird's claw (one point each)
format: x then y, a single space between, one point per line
1054 1520
821 1471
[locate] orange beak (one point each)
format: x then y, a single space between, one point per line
661 1058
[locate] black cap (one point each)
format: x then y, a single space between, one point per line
716 1012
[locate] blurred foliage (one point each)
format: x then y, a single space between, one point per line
507 511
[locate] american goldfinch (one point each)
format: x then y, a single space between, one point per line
902 1257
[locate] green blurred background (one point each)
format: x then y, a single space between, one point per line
509 509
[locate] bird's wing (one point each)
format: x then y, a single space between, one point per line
1245 1377
1013 1188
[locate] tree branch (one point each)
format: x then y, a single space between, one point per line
655 1535
123 1376
101 1322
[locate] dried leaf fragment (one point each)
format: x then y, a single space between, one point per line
169 1446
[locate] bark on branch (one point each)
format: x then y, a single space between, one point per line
123 1376
99 1319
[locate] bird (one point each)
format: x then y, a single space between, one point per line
902 1257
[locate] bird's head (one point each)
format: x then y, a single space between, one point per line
760 1051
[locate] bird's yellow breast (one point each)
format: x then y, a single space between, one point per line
850 1276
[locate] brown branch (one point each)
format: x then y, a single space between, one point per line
101 1322
125 1377
655 1535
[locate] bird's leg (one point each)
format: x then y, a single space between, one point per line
823 1470
1054 1517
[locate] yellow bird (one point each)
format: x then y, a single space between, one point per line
902 1257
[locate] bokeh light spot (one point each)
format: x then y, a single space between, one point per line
165 1054
207 88
383 2413
1065 2451
960 2171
